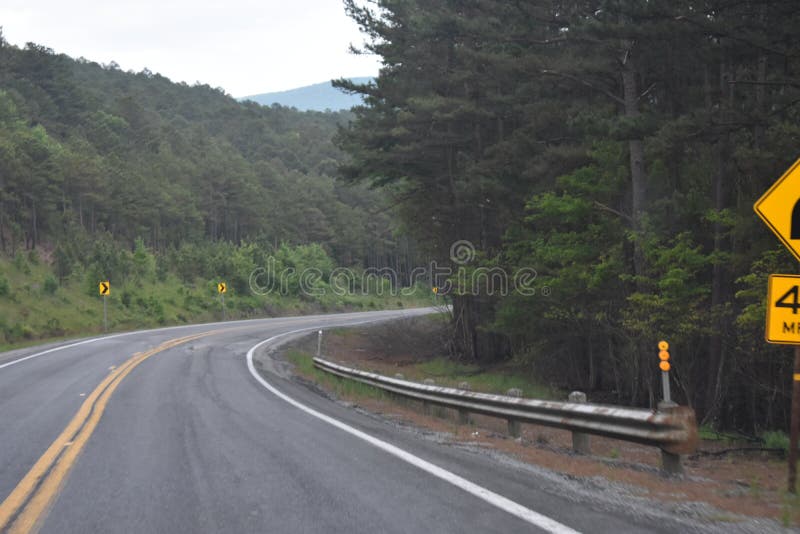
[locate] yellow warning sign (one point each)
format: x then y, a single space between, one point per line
105 288
222 287
779 207
783 309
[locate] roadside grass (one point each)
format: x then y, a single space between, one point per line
343 332
340 387
36 308
498 380
419 338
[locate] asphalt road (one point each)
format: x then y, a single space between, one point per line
187 439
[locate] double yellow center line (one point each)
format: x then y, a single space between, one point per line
28 503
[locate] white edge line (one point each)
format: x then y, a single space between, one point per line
112 336
62 347
507 505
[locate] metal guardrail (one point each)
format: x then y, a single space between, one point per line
673 428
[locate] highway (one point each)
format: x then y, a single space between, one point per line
179 430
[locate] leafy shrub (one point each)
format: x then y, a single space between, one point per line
53 327
62 262
144 263
18 332
5 287
152 307
50 284
21 263
776 440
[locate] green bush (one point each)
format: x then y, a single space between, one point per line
144 263
776 440
152 307
21 263
50 284
62 262
53 327
19 332
5 287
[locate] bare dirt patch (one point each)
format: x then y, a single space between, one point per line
736 483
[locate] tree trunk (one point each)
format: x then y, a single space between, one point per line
636 150
719 274
630 87
35 226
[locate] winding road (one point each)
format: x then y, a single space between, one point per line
180 430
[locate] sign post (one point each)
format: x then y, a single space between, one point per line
664 365
105 290
779 208
795 426
222 288
783 327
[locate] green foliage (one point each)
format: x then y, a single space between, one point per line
62 262
144 263
5 288
135 159
21 264
776 440
614 148
341 387
50 284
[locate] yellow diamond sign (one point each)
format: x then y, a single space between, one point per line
779 207
783 309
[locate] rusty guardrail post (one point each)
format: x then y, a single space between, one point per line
426 406
463 415
580 440
671 465
514 429
399 399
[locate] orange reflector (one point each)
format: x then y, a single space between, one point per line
663 355
664 366
797 377
663 345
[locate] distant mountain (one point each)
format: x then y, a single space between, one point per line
317 97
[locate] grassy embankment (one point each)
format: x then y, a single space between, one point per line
35 307
412 347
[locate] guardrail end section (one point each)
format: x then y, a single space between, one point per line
684 421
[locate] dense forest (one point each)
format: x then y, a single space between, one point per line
615 146
164 189
91 151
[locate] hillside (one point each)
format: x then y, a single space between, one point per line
318 97
128 177
87 149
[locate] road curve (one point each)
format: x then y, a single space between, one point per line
169 431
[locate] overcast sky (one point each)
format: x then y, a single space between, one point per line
244 46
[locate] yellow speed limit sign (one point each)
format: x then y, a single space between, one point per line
783 309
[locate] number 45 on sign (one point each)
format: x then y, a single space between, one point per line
783 309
